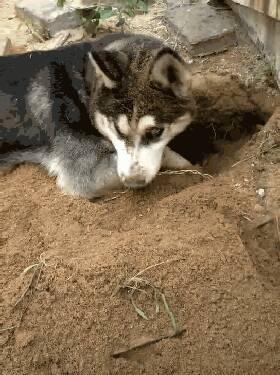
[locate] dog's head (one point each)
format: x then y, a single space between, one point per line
140 100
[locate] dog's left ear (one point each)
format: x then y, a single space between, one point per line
169 71
105 67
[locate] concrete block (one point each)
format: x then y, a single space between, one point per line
204 29
46 17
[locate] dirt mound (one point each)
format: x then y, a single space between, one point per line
208 247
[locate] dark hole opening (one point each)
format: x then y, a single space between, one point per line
202 139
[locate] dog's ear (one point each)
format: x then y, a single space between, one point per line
105 67
169 71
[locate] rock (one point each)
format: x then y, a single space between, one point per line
205 29
261 192
46 18
175 3
80 4
57 41
61 38
5 46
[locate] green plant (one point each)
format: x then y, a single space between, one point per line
136 285
92 17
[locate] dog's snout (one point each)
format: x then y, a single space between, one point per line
134 181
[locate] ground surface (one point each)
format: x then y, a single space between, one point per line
221 267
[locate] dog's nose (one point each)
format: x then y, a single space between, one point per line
135 182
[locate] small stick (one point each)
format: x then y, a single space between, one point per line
27 289
185 171
29 286
115 196
153 266
153 340
8 329
241 161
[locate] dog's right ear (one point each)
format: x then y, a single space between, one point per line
106 68
169 71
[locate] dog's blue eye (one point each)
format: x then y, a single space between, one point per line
153 134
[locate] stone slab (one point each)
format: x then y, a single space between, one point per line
204 29
5 46
46 17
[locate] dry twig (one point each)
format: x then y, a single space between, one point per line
145 342
242 161
185 171
37 269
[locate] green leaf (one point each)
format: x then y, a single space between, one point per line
142 5
106 13
139 311
169 312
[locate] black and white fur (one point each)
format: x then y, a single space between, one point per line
96 115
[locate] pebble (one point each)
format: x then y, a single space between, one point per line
260 192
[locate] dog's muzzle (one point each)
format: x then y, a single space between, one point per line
134 182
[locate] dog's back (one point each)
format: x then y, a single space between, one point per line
130 89
42 91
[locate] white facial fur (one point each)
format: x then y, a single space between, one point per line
138 163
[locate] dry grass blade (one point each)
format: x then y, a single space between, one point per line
134 288
115 196
37 269
169 312
242 161
8 329
150 267
29 268
138 310
137 286
185 171
156 301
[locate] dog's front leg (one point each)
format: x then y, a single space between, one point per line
173 161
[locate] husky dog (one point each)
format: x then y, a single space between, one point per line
96 115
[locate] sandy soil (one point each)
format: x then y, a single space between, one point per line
222 284
214 244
